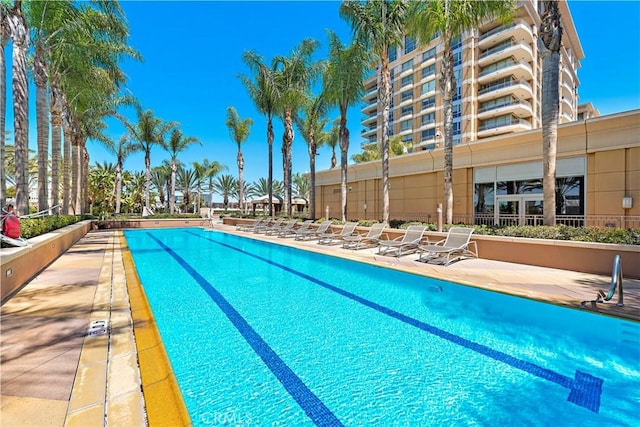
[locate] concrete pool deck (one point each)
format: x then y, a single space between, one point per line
54 373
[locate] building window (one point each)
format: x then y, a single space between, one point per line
429 87
429 71
429 102
406 65
393 54
456 128
406 110
428 119
406 95
407 80
409 44
428 134
406 124
457 58
407 138
456 42
429 54
484 200
458 95
456 110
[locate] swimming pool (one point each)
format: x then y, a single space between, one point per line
263 334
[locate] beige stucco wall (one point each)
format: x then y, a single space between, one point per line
610 144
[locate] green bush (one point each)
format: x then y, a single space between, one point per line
31 227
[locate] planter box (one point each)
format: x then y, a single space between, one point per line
19 265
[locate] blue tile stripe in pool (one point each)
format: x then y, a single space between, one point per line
584 389
308 401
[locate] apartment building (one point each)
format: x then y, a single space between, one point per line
499 78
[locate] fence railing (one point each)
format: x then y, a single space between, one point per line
608 221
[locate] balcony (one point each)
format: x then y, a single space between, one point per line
516 107
368 145
567 105
521 51
371 93
498 127
567 90
566 118
405 102
366 133
520 89
367 120
369 108
426 144
518 31
519 69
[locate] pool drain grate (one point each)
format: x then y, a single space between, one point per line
97 328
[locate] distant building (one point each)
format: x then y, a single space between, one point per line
498 83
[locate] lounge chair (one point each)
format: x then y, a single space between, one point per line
271 225
260 222
403 245
458 244
291 231
363 241
312 233
330 237
275 231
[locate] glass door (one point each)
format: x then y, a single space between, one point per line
519 210
508 212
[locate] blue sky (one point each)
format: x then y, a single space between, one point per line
192 56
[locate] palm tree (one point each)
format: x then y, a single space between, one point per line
17 24
160 177
225 185
261 187
551 37
264 93
4 37
177 143
343 88
122 149
332 141
295 74
188 184
302 185
207 171
147 132
239 130
311 127
451 19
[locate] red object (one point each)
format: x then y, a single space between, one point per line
11 227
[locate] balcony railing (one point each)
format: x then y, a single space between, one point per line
498 86
504 104
498 124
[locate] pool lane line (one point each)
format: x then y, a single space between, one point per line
584 389
308 401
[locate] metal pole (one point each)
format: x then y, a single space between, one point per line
439 210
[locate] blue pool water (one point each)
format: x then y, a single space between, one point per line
261 334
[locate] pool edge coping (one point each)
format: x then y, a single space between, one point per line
159 383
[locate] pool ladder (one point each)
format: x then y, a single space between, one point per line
616 283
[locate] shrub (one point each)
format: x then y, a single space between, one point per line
32 227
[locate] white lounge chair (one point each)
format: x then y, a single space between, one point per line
291 231
251 226
363 241
313 233
403 245
330 237
268 226
458 244
275 231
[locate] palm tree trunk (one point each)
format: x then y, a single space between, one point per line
312 178
551 37
287 141
270 138
56 128
118 185
85 178
172 190
344 153
240 161
3 107
147 183
67 170
385 95
75 170
42 126
20 87
448 87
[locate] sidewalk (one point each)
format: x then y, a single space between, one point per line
54 374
